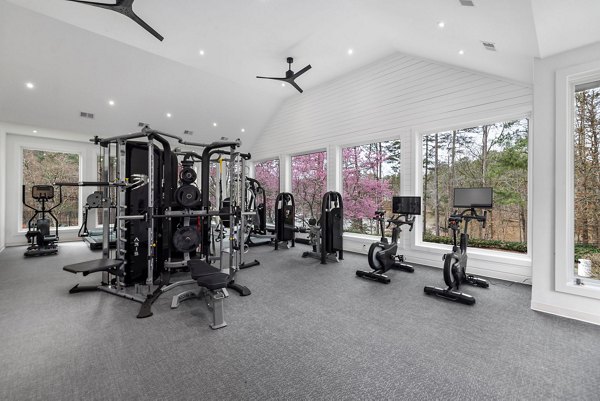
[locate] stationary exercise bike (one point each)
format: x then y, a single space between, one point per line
455 262
382 254
41 242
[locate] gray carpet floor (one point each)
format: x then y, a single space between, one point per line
307 332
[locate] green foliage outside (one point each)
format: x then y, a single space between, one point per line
493 155
511 246
46 168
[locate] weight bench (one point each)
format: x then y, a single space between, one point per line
213 290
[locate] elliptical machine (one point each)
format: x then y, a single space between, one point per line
382 254
455 263
41 242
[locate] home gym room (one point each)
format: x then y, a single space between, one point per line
273 199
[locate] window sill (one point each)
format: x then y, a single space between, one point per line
60 229
512 258
590 288
362 236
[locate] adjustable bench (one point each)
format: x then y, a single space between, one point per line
213 290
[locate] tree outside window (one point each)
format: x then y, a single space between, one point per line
309 184
371 176
45 168
586 159
491 155
267 174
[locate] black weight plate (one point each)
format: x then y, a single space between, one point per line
188 196
187 175
186 239
94 200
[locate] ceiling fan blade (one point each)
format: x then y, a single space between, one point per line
95 4
144 25
124 7
295 85
276 79
302 71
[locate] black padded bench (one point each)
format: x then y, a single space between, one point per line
206 275
94 266
214 290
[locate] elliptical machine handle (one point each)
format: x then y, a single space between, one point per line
31 207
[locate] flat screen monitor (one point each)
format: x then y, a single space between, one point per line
473 197
406 204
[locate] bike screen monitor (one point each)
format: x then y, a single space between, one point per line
406 205
44 192
473 198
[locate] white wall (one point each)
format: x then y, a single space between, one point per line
544 296
399 97
13 138
2 188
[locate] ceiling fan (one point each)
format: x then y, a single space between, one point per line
124 7
290 76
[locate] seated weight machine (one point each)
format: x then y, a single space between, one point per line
383 254
326 234
455 262
41 242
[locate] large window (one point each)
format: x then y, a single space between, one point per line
586 167
100 178
371 176
492 155
309 184
267 173
42 167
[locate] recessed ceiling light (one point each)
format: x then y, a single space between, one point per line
350 52
441 24
461 52
282 84
111 102
243 130
214 124
30 85
169 115
202 52
35 131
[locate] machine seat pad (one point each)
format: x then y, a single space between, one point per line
206 275
93 266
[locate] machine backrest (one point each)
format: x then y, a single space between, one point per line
42 192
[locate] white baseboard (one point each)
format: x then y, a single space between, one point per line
564 312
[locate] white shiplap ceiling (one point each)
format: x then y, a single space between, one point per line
79 57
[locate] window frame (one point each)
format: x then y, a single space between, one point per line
340 173
512 258
564 252
52 149
268 159
291 169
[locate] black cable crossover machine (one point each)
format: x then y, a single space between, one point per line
383 254
155 224
455 263
41 242
285 224
326 235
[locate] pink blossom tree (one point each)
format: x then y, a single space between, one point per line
309 184
267 174
365 186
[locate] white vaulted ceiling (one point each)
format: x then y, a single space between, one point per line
79 56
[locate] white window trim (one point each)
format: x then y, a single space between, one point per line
53 149
564 277
509 258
